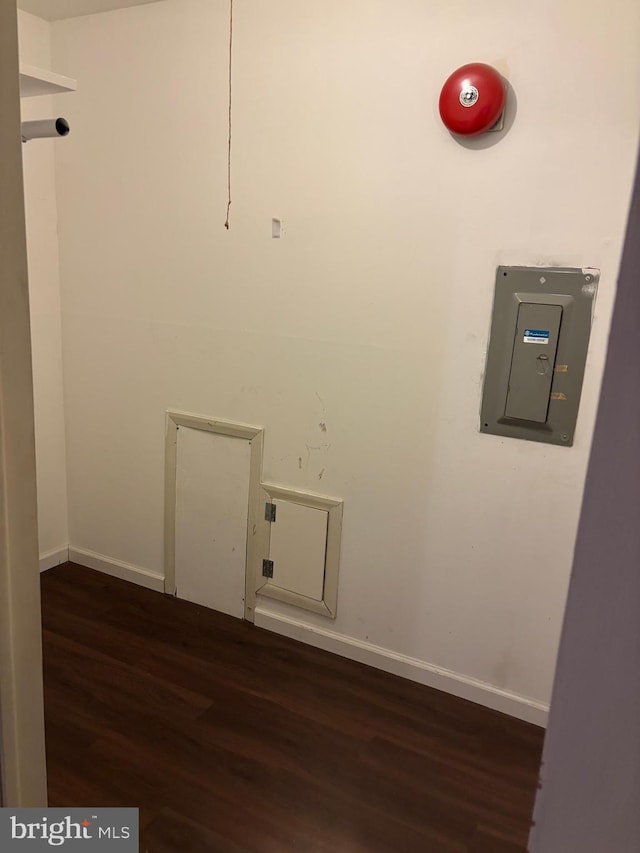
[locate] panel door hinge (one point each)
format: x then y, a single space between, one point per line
270 512
267 568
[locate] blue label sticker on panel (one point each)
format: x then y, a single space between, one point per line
536 336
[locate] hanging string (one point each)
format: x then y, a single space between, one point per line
226 224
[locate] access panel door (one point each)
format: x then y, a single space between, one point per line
298 549
212 504
301 549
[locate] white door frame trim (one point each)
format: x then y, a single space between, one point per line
23 778
252 434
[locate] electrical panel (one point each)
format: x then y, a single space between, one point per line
537 352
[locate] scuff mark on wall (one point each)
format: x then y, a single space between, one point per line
321 447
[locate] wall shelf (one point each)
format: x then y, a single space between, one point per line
36 81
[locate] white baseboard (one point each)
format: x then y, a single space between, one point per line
117 568
54 558
412 668
378 657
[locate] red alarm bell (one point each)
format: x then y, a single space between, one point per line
472 99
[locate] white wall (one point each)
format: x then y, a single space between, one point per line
44 295
371 315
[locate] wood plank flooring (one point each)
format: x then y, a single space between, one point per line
231 739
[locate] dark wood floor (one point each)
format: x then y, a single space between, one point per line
233 740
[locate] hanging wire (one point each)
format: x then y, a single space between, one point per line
226 224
